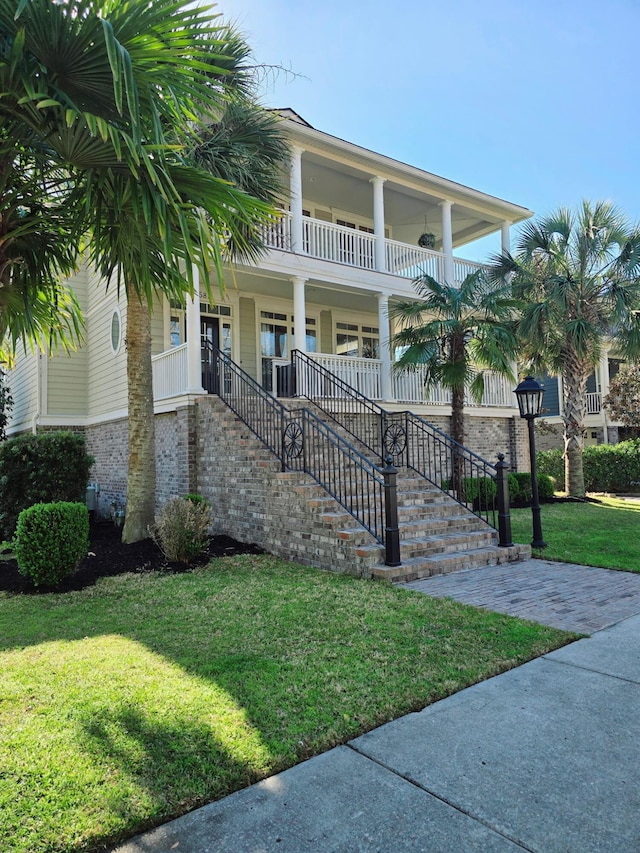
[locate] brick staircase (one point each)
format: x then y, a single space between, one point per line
289 514
437 534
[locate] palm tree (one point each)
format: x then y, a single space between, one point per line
578 276
455 334
120 92
38 236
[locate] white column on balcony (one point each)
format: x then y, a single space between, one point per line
194 344
386 384
299 314
447 240
505 237
378 222
295 189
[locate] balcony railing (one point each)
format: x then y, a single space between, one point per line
412 261
170 380
170 372
344 245
594 403
364 374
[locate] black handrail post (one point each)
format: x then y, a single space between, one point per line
391 529
504 515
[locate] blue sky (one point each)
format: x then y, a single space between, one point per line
537 103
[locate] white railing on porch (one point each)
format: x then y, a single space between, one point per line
412 261
170 376
594 403
462 268
338 243
345 245
409 388
364 375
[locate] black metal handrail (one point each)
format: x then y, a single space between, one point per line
408 438
303 442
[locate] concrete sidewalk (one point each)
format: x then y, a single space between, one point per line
544 758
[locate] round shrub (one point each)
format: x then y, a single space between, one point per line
50 541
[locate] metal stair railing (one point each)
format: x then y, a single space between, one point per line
304 442
409 440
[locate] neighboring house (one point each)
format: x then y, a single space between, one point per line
346 246
600 428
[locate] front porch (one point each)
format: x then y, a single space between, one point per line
171 379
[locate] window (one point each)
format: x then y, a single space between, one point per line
174 330
276 339
357 341
116 330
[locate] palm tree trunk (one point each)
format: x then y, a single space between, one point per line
457 433
574 410
141 478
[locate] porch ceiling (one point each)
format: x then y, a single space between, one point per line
318 295
339 186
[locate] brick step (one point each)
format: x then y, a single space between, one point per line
443 543
416 568
447 543
408 510
437 525
419 530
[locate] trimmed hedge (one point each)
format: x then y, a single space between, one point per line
612 467
607 467
50 541
551 462
480 491
51 466
514 487
545 487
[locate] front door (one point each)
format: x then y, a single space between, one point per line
210 338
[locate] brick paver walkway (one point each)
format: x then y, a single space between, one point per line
563 595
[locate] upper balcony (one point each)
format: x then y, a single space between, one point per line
357 248
354 207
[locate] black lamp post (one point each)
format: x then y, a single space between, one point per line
529 395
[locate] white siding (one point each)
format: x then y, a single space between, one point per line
157 327
23 384
67 372
326 332
247 327
107 370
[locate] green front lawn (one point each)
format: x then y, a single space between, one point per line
136 700
592 534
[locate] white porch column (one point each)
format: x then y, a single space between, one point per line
295 189
447 241
505 237
299 314
386 385
378 223
194 342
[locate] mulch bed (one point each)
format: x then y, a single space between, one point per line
108 556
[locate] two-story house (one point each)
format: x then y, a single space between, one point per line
347 245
